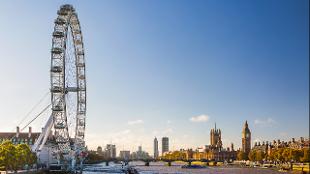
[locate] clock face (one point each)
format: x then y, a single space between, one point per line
247 135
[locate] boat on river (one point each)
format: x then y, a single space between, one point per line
193 166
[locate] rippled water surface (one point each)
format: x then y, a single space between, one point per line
160 168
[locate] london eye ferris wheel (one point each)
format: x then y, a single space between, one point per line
68 84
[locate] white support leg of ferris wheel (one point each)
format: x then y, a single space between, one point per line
38 145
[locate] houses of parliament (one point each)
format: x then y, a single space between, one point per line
215 150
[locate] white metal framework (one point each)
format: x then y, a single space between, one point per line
68 85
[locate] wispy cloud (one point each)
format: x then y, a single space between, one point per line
199 118
134 122
265 122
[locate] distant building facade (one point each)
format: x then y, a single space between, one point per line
124 154
215 138
262 146
99 150
110 151
215 150
20 137
156 152
267 147
215 155
246 138
299 144
140 154
212 152
165 145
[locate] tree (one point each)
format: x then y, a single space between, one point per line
257 155
296 154
25 156
286 154
93 157
33 158
178 155
279 154
14 157
1 157
8 155
242 155
306 155
272 155
252 155
260 155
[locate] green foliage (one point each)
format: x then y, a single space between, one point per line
286 154
306 155
281 154
252 155
14 157
93 157
175 155
257 155
260 155
242 156
296 154
8 155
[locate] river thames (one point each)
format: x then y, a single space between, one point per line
160 168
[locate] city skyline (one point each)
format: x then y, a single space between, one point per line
168 69
215 144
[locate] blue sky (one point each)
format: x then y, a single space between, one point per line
154 65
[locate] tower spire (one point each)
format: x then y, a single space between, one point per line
215 126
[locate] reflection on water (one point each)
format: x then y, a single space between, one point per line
161 168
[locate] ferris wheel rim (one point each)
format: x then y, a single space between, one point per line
67 20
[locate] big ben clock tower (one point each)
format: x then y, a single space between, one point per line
246 138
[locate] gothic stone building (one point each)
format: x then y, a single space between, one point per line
215 150
215 138
246 138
